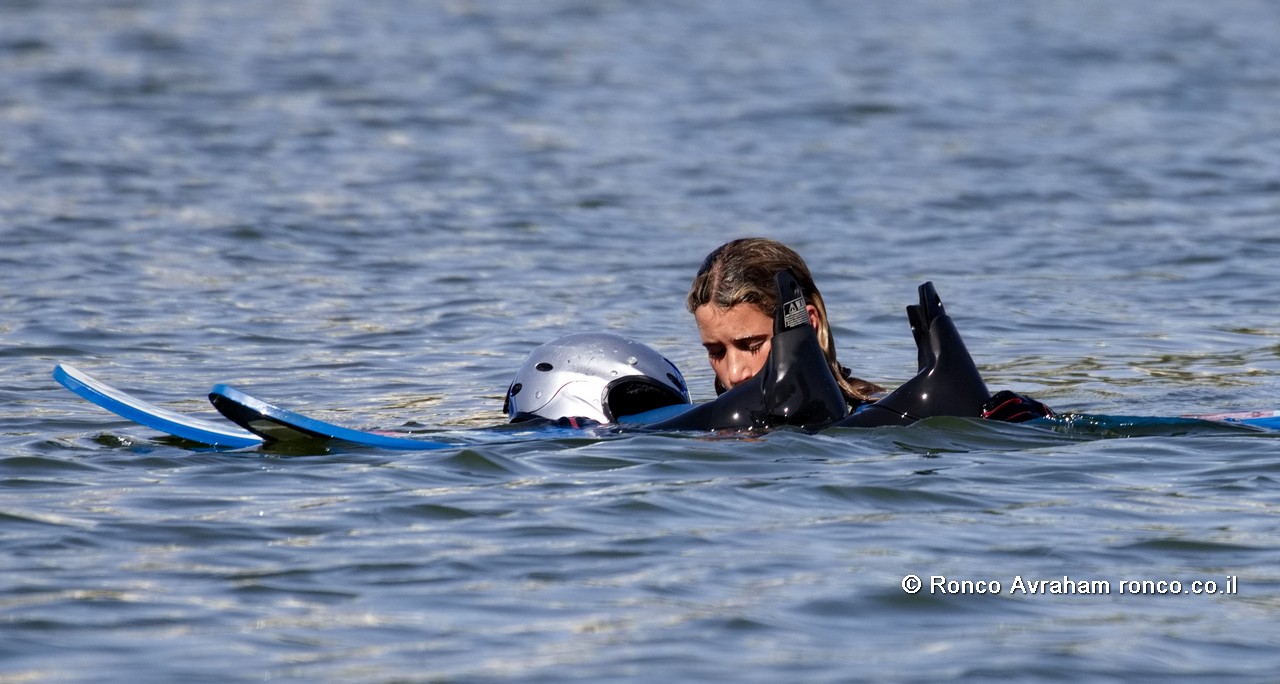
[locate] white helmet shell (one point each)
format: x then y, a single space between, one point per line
600 376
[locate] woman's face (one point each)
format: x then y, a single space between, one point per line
737 339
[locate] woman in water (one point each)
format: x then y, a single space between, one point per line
733 298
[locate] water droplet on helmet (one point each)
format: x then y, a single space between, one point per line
631 360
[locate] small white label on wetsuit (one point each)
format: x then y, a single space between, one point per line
794 314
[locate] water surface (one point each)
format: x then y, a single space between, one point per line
371 212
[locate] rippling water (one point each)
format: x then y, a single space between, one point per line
372 211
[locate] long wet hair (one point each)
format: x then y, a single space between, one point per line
742 272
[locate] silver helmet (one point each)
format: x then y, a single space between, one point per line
600 376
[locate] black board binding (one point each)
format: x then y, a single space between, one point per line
947 382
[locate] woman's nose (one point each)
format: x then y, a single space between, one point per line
740 369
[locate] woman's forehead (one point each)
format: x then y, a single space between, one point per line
725 324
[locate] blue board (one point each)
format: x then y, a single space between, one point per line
1267 420
275 424
152 416
265 422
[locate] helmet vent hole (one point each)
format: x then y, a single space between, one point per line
515 389
544 367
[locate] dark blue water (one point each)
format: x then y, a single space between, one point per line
372 211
